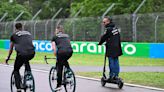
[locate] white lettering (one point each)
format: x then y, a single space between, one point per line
101 49
130 46
48 46
93 46
36 45
82 46
41 46
76 49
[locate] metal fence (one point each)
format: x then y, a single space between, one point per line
145 28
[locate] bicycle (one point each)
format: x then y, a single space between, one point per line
27 82
68 78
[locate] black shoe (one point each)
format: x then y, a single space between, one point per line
109 79
117 78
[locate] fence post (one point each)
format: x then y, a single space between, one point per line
4 15
134 20
46 29
73 23
135 30
35 29
24 23
36 14
52 19
133 26
17 19
103 15
6 26
155 32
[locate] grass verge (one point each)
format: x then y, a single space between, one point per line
90 59
153 79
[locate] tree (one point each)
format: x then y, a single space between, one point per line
91 7
13 11
98 7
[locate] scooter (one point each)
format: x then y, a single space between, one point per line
105 80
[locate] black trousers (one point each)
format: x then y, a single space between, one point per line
62 60
20 60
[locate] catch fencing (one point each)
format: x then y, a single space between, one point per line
142 28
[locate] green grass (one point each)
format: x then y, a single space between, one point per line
153 79
149 79
91 59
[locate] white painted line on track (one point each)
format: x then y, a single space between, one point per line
94 79
36 70
127 84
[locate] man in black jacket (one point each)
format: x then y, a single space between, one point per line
22 41
62 50
113 46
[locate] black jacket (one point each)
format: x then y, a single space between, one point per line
113 42
62 42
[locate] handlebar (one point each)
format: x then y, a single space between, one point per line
45 59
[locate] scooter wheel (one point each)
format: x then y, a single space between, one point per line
103 81
120 84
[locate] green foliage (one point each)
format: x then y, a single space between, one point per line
158 6
71 7
90 7
13 11
98 7
65 4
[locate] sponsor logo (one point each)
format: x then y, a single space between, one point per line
88 47
129 49
42 46
45 46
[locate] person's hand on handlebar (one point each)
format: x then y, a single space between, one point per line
6 60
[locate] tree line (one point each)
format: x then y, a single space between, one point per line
89 8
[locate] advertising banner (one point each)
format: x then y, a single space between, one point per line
136 49
87 47
152 50
157 50
42 46
1 44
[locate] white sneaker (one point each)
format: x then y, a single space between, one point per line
19 90
58 88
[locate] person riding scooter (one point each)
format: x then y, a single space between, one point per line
113 47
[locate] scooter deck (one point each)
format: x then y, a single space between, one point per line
112 81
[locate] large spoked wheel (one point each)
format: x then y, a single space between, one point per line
12 83
53 78
70 85
103 81
29 83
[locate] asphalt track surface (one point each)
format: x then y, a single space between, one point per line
83 85
100 68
